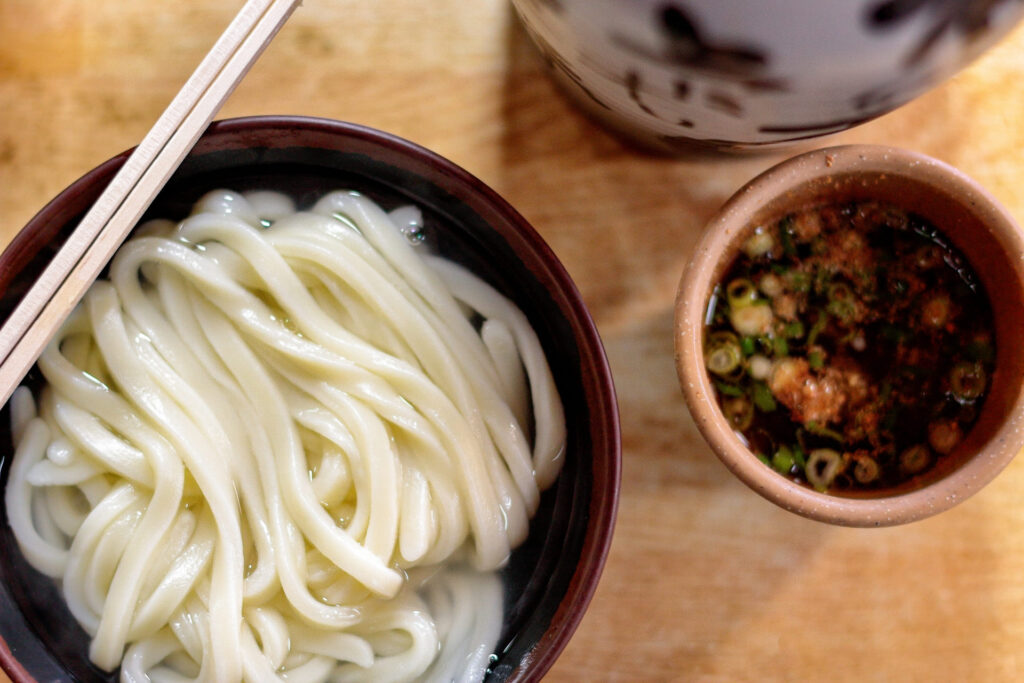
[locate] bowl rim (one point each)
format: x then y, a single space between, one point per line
724 230
596 375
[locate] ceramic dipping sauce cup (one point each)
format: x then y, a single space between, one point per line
972 221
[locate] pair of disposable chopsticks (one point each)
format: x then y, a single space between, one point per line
90 246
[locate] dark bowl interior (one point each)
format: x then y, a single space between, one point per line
550 579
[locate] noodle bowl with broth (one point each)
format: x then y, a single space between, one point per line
285 442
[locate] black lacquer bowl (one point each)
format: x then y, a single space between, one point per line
549 581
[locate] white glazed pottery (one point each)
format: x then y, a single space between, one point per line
737 74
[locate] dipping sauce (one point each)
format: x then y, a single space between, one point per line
851 346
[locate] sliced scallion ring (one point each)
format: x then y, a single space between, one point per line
823 465
722 354
740 293
967 381
915 459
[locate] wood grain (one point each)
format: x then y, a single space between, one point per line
79 261
705 581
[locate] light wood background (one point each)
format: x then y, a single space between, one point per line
706 581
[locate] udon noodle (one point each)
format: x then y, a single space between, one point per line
281 443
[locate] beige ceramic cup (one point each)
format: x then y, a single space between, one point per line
976 225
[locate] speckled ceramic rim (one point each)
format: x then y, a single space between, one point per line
603 431
984 230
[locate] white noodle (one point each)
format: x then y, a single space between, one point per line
269 445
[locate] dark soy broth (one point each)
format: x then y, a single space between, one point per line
851 345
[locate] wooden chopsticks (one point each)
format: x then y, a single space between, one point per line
107 223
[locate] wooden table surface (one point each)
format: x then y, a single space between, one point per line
705 580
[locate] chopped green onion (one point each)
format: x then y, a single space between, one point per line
759 366
771 285
865 281
866 469
722 354
762 397
798 456
967 381
794 329
747 346
752 320
782 461
915 459
944 435
928 256
823 464
780 347
739 412
740 293
936 311
821 430
786 236
893 333
728 389
799 281
817 328
885 391
980 351
816 359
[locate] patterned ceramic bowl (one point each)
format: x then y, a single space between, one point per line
737 74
